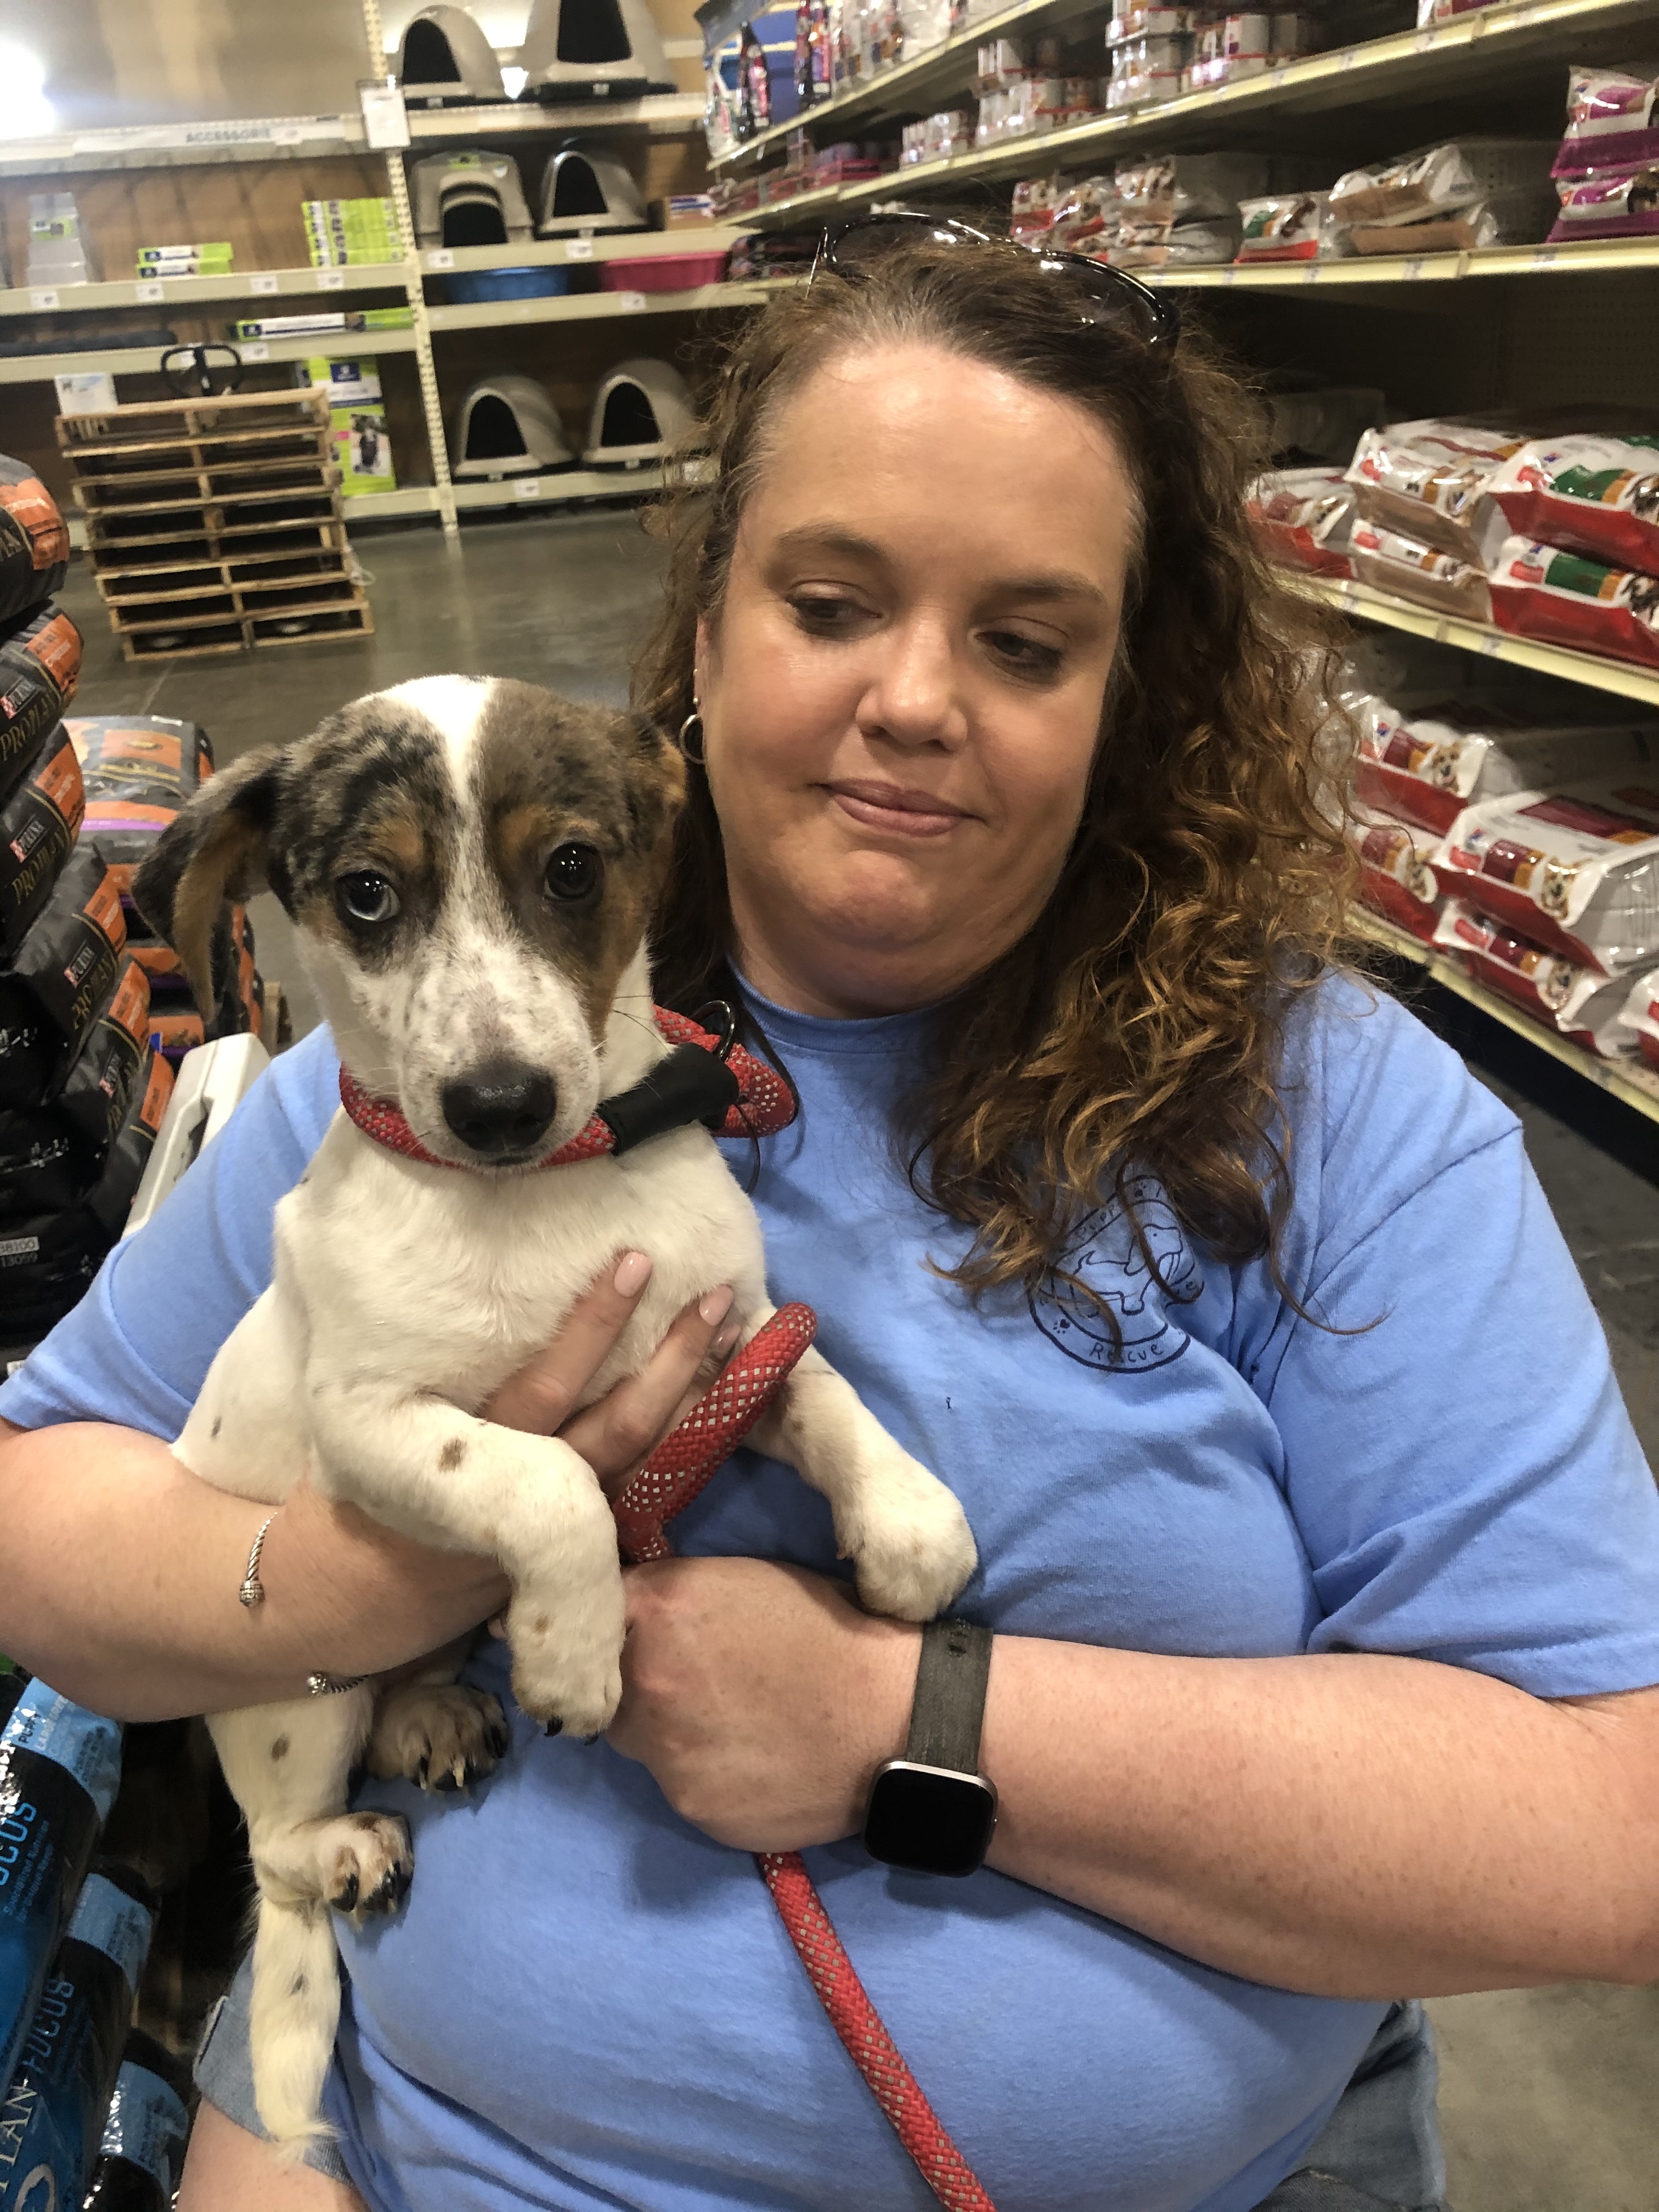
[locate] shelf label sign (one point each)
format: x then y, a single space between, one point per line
528 488
386 120
261 280
256 352
330 280
147 294
442 258
632 303
579 249
44 303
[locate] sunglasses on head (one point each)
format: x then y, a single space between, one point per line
1111 296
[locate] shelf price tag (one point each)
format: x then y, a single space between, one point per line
1544 258
1493 645
330 280
579 249
259 352
386 120
1411 271
631 303
148 294
43 303
442 258
1310 274
261 280
528 488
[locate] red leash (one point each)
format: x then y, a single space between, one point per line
673 1475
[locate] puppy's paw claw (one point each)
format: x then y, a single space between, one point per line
444 1736
371 1864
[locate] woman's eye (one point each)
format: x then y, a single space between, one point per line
365 898
818 610
1028 654
572 872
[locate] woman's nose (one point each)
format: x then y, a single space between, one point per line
913 696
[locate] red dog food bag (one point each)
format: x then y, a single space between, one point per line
1425 480
1575 1001
1640 1017
1575 870
39 825
1409 569
39 668
1598 496
1302 517
1425 764
34 543
1395 878
1563 599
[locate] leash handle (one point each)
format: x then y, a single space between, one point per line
679 1469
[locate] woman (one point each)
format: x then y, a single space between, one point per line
1323 1563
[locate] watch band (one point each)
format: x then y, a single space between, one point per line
949 1710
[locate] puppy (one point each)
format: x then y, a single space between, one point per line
471 865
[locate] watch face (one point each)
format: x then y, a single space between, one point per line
929 1820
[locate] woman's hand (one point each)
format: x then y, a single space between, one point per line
761 1697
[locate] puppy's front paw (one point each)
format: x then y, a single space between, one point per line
908 1540
444 1735
367 1860
567 1670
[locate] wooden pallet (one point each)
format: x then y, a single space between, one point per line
178 545
134 583
201 633
143 491
317 501
256 412
193 457
204 602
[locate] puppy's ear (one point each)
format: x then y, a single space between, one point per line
216 849
657 774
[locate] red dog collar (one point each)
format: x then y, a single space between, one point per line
764 1104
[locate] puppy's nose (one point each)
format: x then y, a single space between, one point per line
499 1109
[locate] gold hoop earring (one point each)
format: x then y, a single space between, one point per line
683 739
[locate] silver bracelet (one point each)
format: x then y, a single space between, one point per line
330 1686
252 1591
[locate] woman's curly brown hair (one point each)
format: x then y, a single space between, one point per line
1137 1026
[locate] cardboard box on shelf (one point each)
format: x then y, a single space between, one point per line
356 415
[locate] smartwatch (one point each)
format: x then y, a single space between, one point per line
932 1811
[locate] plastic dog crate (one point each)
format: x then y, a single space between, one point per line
592 50
444 60
507 426
587 188
642 412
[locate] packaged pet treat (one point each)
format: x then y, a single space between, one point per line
1391 562
1575 870
1593 495
1179 187
1577 1002
1289 226
1437 179
1623 203
39 825
1087 214
39 668
1302 517
71 2053
1426 479
59 1769
1141 22
1610 121
1211 244
1427 764
1538 590
1639 1016
1395 878
34 541
63 968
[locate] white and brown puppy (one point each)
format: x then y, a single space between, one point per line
471 865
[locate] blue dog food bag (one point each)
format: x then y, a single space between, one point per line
143 2154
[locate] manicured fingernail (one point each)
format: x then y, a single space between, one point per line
633 1273
726 1338
716 1305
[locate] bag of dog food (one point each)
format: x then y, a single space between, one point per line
1610 121
102 1073
1619 203
1425 764
63 968
1575 1001
1178 188
1599 496
34 541
1395 878
1538 590
39 825
140 770
1640 1017
1575 870
1411 570
39 667
1208 245
1425 480
1302 517
1288 226
1427 182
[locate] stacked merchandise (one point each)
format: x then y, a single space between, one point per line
1229 49
1606 170
936 137
75 1932
346 324
1150 49
1418 490
138 771
57 243
1022 90
1181 211
351 234
215 259
357 427
1640 1016
1464 193
1302 518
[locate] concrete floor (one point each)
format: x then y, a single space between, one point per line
1547 2096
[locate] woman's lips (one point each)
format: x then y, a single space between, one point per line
905 814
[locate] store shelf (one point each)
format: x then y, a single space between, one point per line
553 252
593 306
1622 676
563 488
389 506
662 114
135 361
1584 256
183 145
1626 1079
185 291
1452 57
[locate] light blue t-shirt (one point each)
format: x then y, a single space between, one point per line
585 2003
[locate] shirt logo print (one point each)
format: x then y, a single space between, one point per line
1102 1251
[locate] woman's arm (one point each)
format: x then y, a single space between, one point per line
119 1568
1356 1827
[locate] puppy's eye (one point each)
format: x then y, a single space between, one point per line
364 899
572 872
